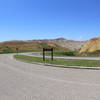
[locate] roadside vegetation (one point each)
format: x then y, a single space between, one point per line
9 50
65 62
71 48
96 53
63 53
56 52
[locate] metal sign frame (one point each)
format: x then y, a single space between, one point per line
45 50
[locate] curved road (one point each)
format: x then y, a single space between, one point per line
24 81
38 54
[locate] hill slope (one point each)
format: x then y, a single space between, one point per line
90 46
57 44
71 44
35 45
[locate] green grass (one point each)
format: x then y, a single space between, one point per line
62 53
65 62
21 51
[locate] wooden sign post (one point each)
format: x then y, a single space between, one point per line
47 49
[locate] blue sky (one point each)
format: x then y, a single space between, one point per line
48 19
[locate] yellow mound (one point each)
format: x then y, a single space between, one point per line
91 46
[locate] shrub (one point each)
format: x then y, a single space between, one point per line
69 53
64 53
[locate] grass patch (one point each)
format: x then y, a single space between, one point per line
14 51
65 62
62 53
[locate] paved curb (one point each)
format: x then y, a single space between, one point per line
74 67
61 66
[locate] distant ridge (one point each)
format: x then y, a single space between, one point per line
71 44
59 44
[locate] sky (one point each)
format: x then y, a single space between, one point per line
49 19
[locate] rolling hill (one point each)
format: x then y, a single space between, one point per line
37 45
92 45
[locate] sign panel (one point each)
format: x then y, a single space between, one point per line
47 49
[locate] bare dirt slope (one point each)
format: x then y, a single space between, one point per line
91 46
71 44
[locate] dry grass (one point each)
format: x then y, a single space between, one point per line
30 45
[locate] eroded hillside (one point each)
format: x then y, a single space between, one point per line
36 45
90 46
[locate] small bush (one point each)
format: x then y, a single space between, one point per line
64 53
69 53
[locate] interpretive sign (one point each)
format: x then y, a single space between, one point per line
47 49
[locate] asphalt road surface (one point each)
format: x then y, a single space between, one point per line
39 54
24 81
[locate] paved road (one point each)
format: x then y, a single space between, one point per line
38 54
23 81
